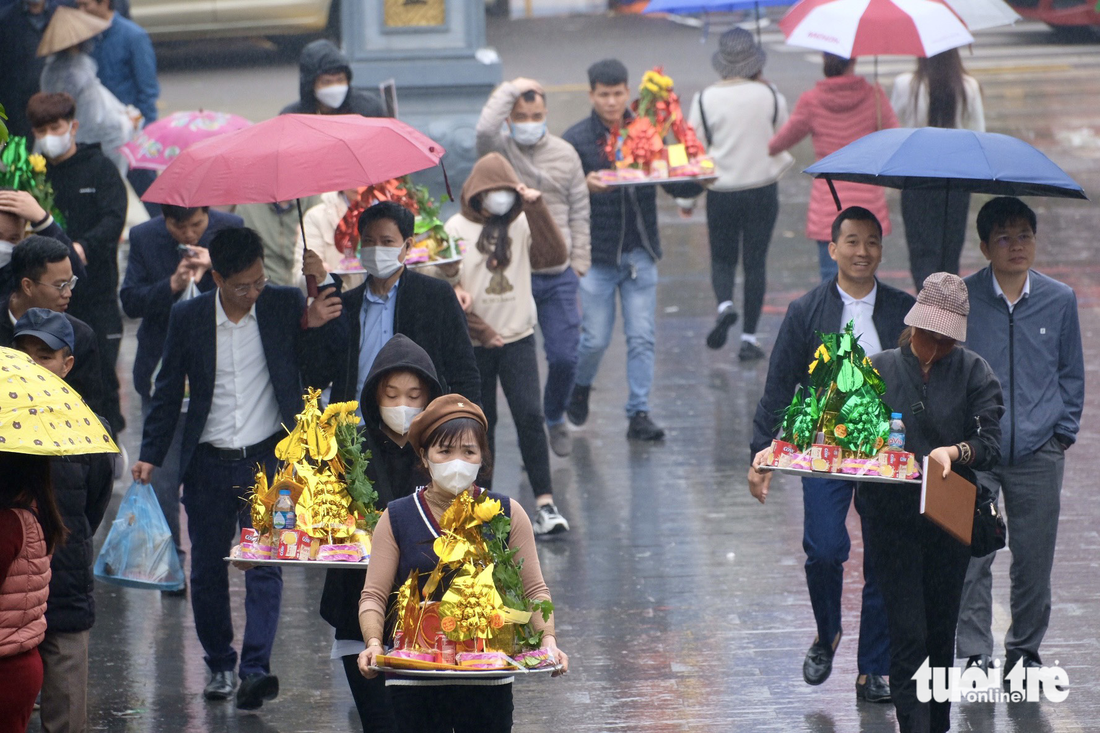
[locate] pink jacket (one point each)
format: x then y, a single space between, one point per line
837 111
24 592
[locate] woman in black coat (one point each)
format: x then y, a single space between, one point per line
401 383
951 404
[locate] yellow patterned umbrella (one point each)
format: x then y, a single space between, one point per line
42 415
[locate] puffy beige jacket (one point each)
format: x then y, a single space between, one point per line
552 166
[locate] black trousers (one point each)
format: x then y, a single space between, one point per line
935 242
106 320
516 366
372 698
741 223
921 570
452 708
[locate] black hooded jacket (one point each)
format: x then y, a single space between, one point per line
392 468
323 57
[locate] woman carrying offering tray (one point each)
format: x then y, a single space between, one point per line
454 602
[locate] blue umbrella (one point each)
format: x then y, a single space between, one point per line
696 7
951 160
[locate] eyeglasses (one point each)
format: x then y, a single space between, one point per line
243 290
68 285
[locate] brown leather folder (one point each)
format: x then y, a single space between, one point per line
949 502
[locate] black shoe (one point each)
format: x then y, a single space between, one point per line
875 689
751 352
255 688
819 661
981 661
642 428
716 339
220 686
577 412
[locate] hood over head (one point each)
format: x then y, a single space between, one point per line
399 353
319 57
845 93
493 171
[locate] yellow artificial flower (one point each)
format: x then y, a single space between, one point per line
486 509
813 366
822 353
38 163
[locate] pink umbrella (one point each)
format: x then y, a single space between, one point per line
293 156
161 141
852 28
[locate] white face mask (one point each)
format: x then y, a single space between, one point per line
528 133
5 252
332 96
399 418
381 262
455 476
54 146
499 203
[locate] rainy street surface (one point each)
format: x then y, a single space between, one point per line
681 601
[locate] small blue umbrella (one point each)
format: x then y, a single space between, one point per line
949 160
703 7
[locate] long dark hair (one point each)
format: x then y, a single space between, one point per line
494 240
942 74
27 485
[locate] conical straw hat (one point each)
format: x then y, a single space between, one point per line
69 27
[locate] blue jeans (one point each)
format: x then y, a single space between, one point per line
825 263
213 492
560 323
636 280
826 542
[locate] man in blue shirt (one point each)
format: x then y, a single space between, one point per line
1025 325
128 68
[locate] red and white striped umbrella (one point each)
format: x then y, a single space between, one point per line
852 28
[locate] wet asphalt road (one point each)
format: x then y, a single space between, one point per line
681 601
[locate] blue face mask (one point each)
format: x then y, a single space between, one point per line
527 133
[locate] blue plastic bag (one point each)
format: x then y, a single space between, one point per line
138 551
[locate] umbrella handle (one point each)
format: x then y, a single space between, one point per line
311 280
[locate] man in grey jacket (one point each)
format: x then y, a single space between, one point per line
1025 325
513 123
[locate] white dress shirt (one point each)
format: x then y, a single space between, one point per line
244 410
1026 292
860 311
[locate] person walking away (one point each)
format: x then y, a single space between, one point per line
1025 325
393 300
239 350
22 24
324 85
82 488
513 123
625 250
495 221
739 116
938 94
839 109
127 66
400 385
451 439
19 211
169 262
43 277
951 404
30 528
91 195
878 311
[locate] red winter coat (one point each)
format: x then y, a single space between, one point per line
837 111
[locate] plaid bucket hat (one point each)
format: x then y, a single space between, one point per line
942 306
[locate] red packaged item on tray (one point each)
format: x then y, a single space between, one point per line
291 542
824 457
250 535
783 453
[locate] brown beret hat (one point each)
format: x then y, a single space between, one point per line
442 409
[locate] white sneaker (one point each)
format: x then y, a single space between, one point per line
549 521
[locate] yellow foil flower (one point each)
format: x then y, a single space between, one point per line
38 163
486 509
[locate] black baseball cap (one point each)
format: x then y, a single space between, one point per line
52 327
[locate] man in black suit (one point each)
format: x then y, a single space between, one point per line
169 262
398 301
239 348
43 278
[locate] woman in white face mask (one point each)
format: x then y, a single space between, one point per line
451 438
401 383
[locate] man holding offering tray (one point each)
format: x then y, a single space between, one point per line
877 311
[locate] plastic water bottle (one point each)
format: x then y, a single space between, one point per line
896 439
283 515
